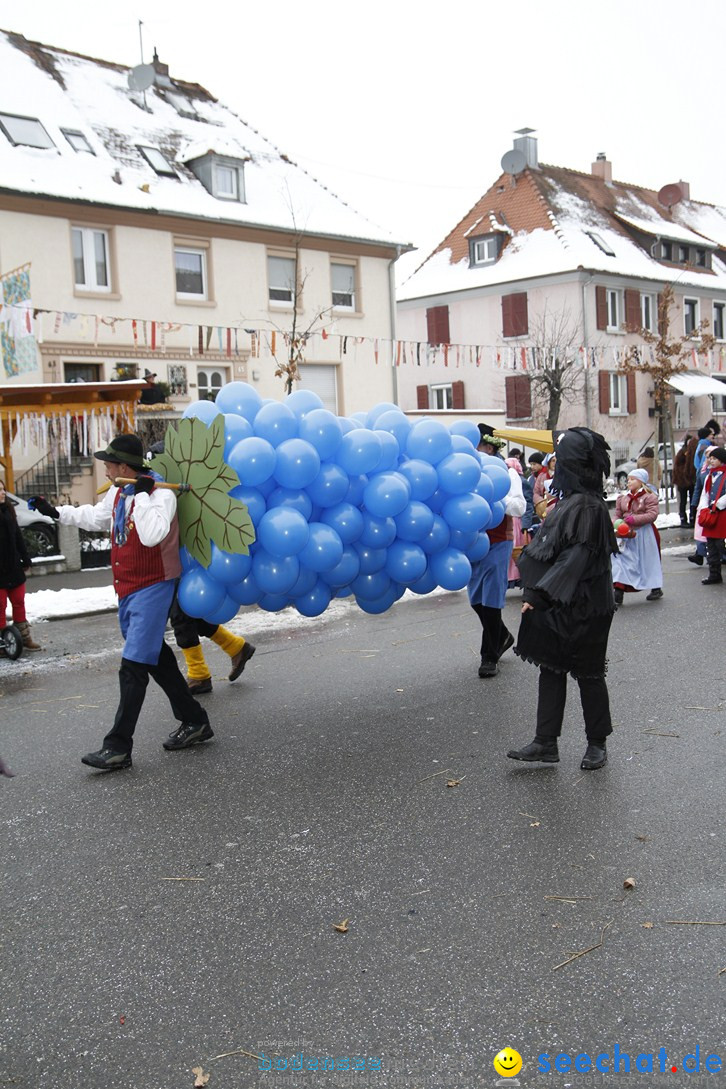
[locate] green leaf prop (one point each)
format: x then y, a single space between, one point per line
194 455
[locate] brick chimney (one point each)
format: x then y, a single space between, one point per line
602 168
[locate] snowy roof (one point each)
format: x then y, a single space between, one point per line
553 221
66 91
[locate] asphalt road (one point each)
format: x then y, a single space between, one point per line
180 914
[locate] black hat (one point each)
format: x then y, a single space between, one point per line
486 432
537 456
720 453
124 450
149 374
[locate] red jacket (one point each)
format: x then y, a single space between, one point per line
136 566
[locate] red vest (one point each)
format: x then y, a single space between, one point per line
503 532
136 566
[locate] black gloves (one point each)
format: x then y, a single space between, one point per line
41 504
144 484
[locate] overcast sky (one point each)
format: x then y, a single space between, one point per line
405 109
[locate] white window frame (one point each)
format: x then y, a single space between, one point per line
487 254
157 160
600 243
441 397
649 311
224 169
209 374
88 256
721 309
78 141
271 286
694 306
349 306
618 394
614 305
196 296
20 139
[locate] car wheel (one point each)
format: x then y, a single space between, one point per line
622 481
40 540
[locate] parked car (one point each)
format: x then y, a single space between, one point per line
625 467
38 530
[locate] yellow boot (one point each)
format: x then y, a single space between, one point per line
199 679
239 650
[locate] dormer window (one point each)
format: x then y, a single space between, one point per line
157 160
679 253
78 141
483 251
25 131
221 175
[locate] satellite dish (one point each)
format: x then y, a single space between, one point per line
670 195
514 161
141 77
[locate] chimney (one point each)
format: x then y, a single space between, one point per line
601 168
685 189
527 144
161 70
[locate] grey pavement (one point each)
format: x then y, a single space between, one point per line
181 914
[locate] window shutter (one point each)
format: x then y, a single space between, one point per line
519 397
457 395
601 307
422 396
631 393
437 325
514 315
632 310
604 390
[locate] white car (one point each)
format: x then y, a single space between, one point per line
39 531
625 467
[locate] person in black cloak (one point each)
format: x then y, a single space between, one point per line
568 599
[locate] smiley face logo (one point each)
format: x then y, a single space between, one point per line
508 1062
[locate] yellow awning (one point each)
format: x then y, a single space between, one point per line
527 436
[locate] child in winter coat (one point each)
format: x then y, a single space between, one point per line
637 566
14 562
711 515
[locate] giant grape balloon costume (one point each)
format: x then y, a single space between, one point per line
293 505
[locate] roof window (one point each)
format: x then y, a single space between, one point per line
600 243
157 160
78 141
27 131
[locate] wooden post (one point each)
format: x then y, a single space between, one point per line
6 459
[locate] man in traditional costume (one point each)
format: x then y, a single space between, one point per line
568 599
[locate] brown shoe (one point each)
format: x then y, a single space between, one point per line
198 688
240 660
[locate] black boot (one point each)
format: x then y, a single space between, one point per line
595 756
695 558
544 751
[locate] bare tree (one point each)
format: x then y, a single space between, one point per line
557 376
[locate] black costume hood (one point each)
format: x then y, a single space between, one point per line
582 461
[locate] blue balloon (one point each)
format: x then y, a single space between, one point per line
298 463
330 486
188 563
240 398
303 401
275 423
467 512
228 567
315 601
415 521
380 604
498 513
274 574
228 609
377 532
479 549
387 494
274 603
358 419
246 592
451 569
252 499
283 531
425 584
463 539
406 562
370 559
370 419
359 451
438 538
501 482
468 429
267 487
346 425
394 421
295 498
485 488
369 587
390 451
422 477
428 440
199 594
206 411
322 430
305 582
345 571
253 460
458 473
235 428
437 500
346 520
356 489
324 550
460 445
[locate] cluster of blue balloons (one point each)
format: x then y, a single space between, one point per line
369 505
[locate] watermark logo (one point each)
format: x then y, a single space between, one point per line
508 1062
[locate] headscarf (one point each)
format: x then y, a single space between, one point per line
582 461
642 476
